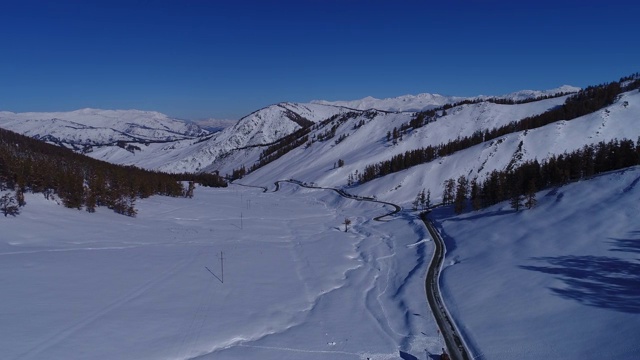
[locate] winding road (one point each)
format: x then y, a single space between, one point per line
455 345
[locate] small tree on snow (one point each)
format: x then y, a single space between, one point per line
9 205
189 192
516 202
417 201
347 222
426 200
20 197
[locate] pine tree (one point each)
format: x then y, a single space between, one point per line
20 196
422 199
427 200
416 202
475 196
516 202
530 200
91 201
9 205
189 192
461 195
449 192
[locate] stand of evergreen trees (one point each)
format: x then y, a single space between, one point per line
423 118
582 103
519 184
79 181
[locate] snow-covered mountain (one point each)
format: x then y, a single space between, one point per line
425 101
359 138
93 127
215 125
225 150
532 94
401 103
242 144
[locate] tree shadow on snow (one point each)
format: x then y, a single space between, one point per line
599 281
627 245
407 356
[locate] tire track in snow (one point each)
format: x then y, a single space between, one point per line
454 342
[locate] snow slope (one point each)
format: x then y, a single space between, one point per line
559 281
104 286
367 145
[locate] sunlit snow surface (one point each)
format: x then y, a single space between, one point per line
296 286
560 281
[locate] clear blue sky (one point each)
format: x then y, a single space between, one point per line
224 59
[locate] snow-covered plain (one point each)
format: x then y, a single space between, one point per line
559 281
296 286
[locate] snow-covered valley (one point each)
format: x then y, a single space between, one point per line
104 286
556 281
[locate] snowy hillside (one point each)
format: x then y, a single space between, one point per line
98 127
241 144
559 281
368 145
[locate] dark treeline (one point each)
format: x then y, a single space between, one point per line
283 148
284 143
335 121
520 183
29 165
582 103
275 151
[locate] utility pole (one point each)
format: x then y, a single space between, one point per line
221 267
240 220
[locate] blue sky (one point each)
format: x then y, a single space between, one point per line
224 59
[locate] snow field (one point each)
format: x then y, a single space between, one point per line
296 286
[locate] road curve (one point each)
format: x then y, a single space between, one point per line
455 345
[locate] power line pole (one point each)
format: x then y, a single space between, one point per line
221 267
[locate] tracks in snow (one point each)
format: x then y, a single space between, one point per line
455 344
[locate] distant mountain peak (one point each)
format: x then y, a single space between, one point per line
90 126
530 94
402 103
